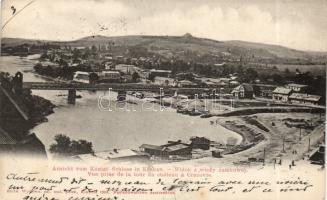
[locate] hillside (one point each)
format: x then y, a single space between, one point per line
189 48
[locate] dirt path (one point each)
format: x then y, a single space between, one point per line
302 147
272 146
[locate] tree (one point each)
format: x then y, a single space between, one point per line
278 79
81 147
76 54
93 78
297 71
62 146
94 49
65 147
135 76
151 77
250 75
239 69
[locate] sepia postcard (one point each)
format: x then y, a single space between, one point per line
163 99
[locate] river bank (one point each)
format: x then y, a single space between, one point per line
42 109
134 126
21 110
250 138
279 139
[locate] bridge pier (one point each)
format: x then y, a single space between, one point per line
121 96
72 96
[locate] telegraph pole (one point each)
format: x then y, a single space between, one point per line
264 155
283 151
309 145
220 98
300 135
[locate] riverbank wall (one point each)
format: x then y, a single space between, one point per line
250 111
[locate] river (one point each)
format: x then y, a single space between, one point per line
112 129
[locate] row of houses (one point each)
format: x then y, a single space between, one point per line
208 82
288 95
165 81
291 93
171 149
93 77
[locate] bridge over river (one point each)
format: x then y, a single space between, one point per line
118 87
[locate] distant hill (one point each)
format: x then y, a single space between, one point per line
20 41
188 47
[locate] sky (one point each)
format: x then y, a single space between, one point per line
298 24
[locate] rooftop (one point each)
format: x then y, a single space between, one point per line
199 138
110 72
296 85
186 82
162 78
124 65
307 97
281 90
176 147
89 158
117 153
80 72
160 70
150 146
5 138
247 88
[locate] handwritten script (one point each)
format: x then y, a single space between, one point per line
108 184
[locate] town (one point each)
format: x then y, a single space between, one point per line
142 99
230 76
235 91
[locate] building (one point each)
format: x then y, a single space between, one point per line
177 149
115 155
185 76
122 155
210 82
219 64
127 78
303 98
126 69
159 72
318 157
119 58
243 91
297 87
109 76
281 94
82 77
234 83
90 159
171 149
108 65
266 93
164 81
200 143
151 149
225 81
186 83
263 91
216 154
